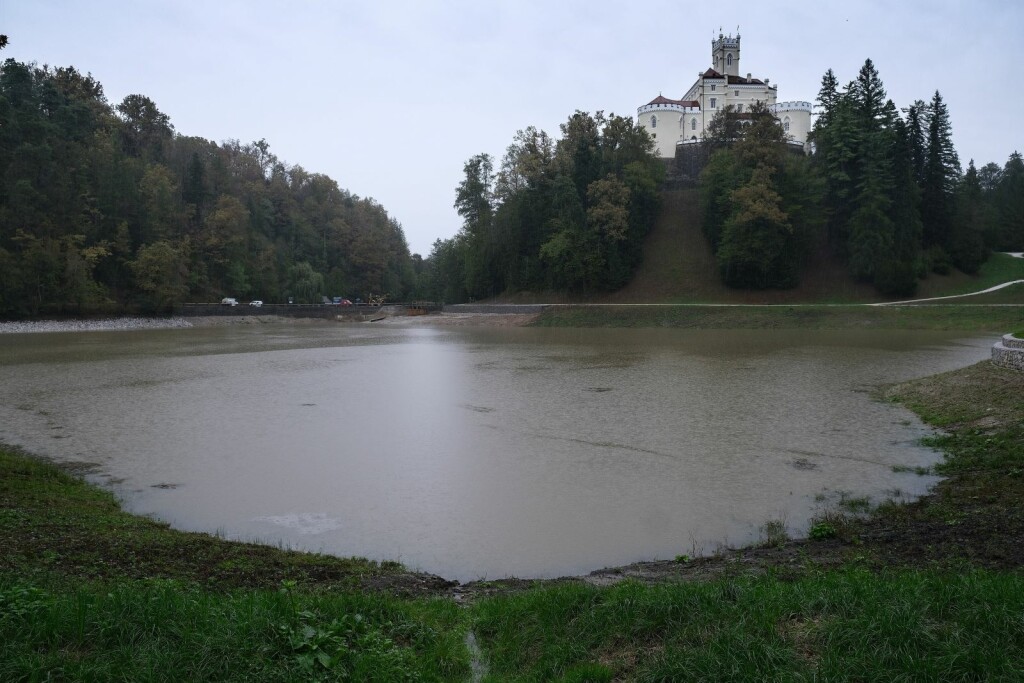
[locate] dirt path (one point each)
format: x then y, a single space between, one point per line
952 296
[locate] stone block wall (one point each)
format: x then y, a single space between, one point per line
1009 353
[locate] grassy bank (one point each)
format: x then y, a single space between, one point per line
959 317
931 591
88 592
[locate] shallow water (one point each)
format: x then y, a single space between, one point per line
478 452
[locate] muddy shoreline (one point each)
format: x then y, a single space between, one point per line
177 322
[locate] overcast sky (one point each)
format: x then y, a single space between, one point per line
390 98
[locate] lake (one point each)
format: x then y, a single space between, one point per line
478 452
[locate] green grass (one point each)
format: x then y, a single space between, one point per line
999 268
847 625
162 630
988 319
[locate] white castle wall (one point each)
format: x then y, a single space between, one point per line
798 115
673 125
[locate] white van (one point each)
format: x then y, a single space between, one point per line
228 301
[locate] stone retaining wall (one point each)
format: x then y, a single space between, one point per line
1009 353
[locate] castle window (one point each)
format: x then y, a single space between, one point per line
654 122
737 93
785 124
712 87
693 124
728 59
713 100
739 108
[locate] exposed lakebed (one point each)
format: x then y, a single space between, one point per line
478 452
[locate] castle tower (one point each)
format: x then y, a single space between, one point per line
725 55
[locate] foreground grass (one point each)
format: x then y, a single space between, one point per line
957 317
160 630
847 625
88 592
931 591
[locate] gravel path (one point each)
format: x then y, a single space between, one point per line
92 325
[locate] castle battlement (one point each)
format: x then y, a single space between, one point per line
647 108
797 105
725 41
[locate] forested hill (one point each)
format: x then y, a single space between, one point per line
106 208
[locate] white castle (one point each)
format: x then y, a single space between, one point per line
683 121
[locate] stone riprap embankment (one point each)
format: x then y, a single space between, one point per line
92 325
1009 352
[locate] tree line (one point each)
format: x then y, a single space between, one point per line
106 208
567 214
883 191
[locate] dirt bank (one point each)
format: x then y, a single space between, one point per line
463 319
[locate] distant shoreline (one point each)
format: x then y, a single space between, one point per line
984 318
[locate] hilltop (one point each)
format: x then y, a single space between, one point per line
679 266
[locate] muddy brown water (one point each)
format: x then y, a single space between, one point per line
478 452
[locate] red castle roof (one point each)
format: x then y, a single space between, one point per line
684 103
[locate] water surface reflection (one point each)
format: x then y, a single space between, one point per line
477 452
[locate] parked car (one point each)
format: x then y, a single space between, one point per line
228 301
257 303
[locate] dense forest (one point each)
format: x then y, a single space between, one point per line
884 192
567 215
105 208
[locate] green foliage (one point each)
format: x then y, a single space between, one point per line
897 205
821 531
569 214
1005 224
106 205
161 273
759 204
346 647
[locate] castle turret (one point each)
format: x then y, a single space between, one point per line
670 122
725 55
795 118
